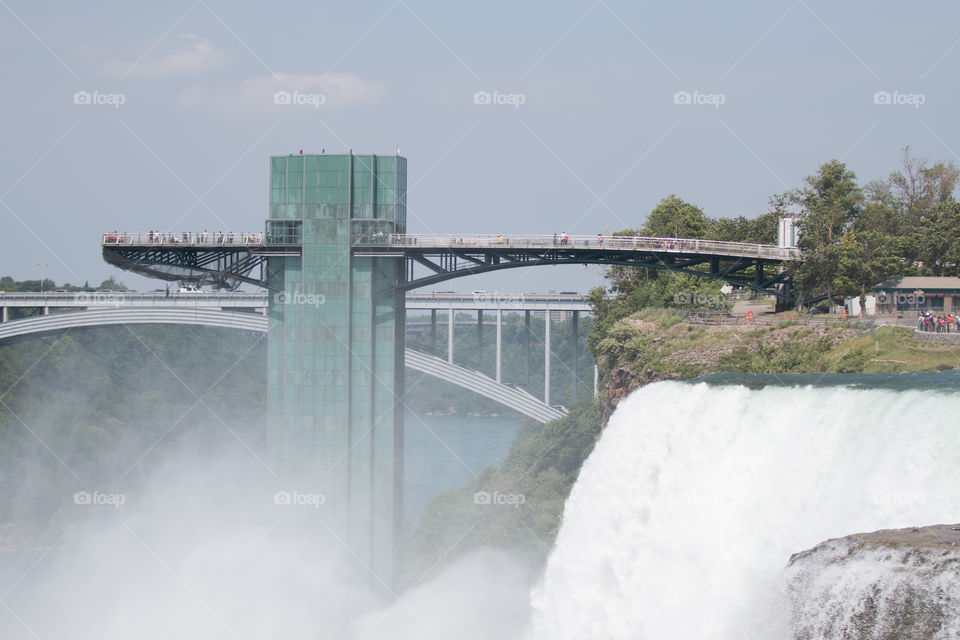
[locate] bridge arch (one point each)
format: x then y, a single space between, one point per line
507 395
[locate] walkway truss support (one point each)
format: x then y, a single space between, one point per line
224 266
431 265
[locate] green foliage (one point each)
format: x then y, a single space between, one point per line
939 239
759 230
793 355
542 466
8 284
674 218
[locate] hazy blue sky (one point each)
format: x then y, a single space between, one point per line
598 139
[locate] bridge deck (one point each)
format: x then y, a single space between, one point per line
420 242
229 259
258 300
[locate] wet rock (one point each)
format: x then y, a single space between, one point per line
901 584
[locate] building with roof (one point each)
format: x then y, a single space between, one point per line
918 293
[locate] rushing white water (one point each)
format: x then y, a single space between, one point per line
683 519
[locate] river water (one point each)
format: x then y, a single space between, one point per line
446 452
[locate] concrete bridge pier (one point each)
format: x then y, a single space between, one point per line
546 360
526 347
786 289
575 328
450 335
499 344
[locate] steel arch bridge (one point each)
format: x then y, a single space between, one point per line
507 395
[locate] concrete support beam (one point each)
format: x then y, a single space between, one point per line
450 335
480 339
546 360
433 330
526 347
499 344
575 329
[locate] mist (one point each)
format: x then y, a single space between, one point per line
202 549
156 512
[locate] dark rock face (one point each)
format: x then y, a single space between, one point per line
901 584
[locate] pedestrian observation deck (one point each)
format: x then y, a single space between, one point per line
227 259
258 241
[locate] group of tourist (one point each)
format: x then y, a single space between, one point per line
204 237
938 323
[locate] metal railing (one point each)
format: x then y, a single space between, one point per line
188 238
482 241
105 297
612 243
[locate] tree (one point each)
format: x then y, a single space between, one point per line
759 230
863 259
111 284
675 218
832 201
919 188
939 239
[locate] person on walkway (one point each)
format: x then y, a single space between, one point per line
600 240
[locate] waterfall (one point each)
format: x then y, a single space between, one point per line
685 516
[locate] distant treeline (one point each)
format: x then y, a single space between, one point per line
9 284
